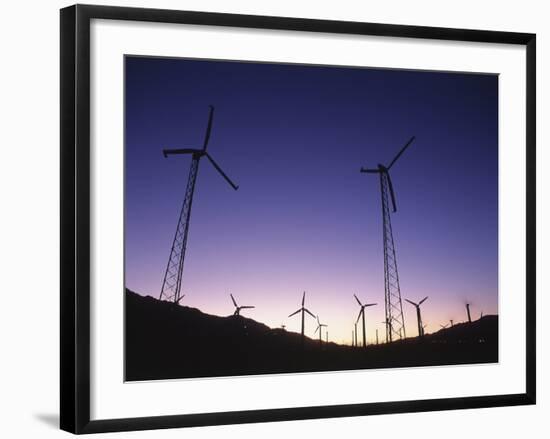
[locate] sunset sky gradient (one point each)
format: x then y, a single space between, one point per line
293 138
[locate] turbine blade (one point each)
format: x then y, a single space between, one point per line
392 193
167 152
359 315
369 171
358 301
309 312
294 313
208 128
233 299
371 304
401 152
317 329
422 301
303 298
318 322
247 307
411 302
233 185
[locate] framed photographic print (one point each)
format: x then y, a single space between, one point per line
299 216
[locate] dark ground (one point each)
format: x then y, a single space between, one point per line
165 341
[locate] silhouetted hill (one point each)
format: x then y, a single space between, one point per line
479 331
164 340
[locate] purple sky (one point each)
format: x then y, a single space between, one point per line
294 138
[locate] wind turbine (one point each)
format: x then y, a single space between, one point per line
444 326
468 311
320 327
392 289
303 310
418 315
171 284
362 314
238 308
355 325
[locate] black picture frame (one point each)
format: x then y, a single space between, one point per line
75 217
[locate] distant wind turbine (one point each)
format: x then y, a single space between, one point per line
320 327
418 315
362 314
444 326
303 310
238 308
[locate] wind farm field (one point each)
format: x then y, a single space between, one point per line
288 218
169 341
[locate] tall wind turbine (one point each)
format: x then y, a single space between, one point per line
362 314
418 315
238 308
303 310
171 284
392 290
320 327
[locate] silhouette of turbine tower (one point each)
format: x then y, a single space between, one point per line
395 327
171 284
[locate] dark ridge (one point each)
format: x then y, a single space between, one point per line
164 341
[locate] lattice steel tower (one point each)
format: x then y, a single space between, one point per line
171 284
395 322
